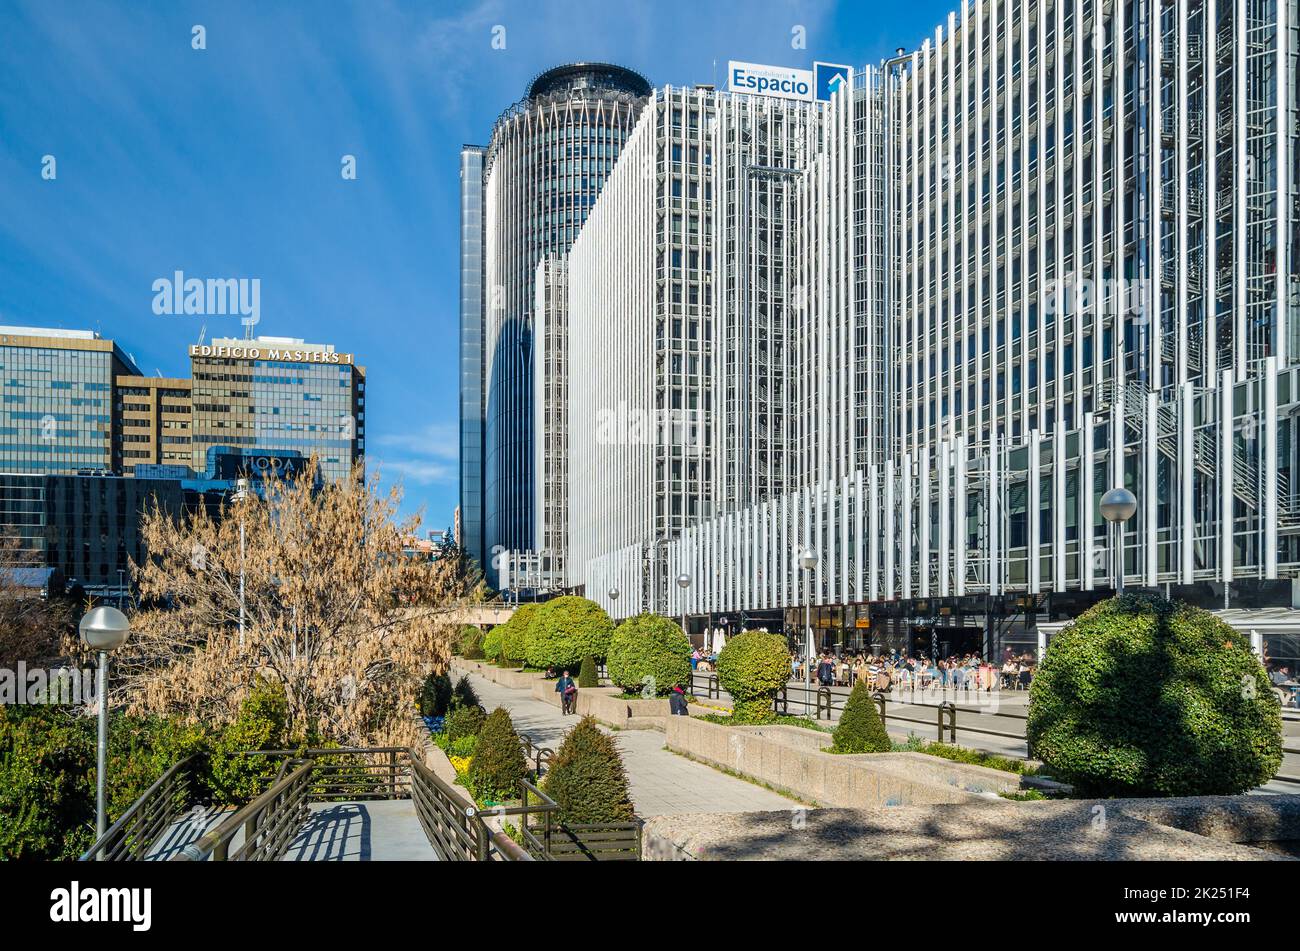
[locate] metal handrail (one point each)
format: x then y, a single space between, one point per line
269 822
136 830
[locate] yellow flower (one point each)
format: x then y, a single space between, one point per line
460 763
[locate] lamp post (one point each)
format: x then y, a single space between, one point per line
684 582
807 561
1117 507
240 496
103 629
613 597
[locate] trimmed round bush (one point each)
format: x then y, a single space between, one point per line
514 639
650 646
752 668
1141 697
587 676
860 729
498 763
587 779
464 721
492 642
567 629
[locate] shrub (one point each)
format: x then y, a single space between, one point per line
567 629
587 778
1141 697
752 668
650 646
587 676
47 795
463 695
514 639
464 721
498 763
435 695
492 643
470 643
860 729
261 724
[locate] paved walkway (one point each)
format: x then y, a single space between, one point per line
379 831
662 783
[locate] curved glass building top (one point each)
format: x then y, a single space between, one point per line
549 156
596 78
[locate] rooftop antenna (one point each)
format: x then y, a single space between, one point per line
203 332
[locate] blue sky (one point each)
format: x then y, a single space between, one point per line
225 162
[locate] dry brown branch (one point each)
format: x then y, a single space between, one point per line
333 609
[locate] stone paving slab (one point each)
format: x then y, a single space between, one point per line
662 783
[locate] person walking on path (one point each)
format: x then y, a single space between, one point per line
568 692
677 703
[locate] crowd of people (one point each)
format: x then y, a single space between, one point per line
884 672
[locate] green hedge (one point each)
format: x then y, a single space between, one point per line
492 642
752 668
587 675
649 646
567 629
1141 697
587 779
860 729
261 724
466 720
47 768
498 763
514 639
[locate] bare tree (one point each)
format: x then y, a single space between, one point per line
33 628
333 610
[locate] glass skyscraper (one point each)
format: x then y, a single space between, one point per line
57 409
278 393
549 155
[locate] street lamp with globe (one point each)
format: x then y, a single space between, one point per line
684 582
103 629
1118 506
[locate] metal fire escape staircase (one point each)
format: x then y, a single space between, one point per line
1247 478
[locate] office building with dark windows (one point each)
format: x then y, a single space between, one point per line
57 411
278 393
471 352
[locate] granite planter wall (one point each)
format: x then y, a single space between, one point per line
790 759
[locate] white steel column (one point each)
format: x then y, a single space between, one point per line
1226 487
1186 475
1148 500
1035 512
1270 464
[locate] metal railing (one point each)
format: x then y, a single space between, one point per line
138 830
269 823
456 831
354 773
539 755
